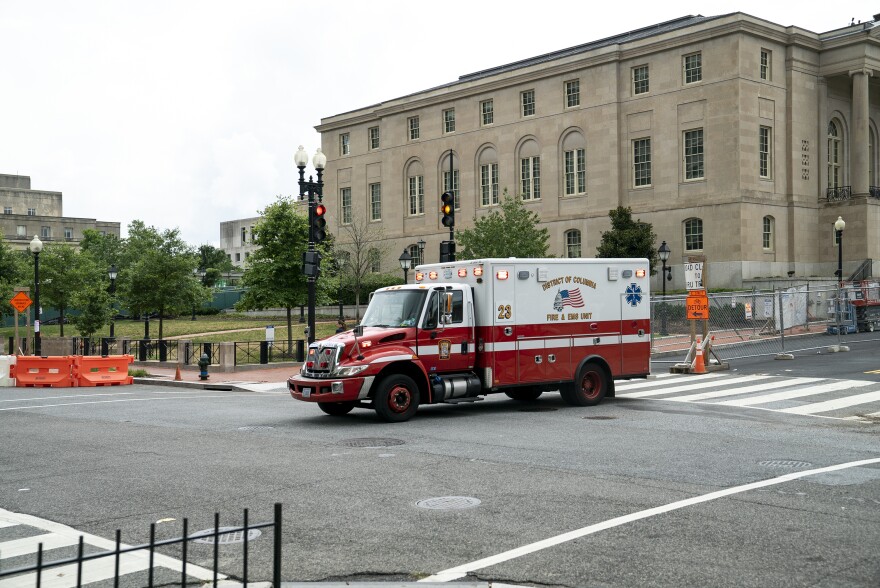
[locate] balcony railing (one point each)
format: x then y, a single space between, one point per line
839 193
874 191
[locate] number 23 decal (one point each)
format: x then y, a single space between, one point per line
504 311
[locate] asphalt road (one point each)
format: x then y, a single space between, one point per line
124 457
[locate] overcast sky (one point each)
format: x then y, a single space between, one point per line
188 113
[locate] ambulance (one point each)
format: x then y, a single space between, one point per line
466 329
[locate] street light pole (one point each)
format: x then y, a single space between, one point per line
405 260
839 225
36 248
313 191
664 255
421 244
112 272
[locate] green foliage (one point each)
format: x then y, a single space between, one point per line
93 303
212 263
511 230
63 274
13 272
628 238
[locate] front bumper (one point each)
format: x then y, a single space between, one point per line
329 389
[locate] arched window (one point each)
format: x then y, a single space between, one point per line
871 157
574 164
573 243
488 161
693 234
416 255
415 188
530 170
768 237
834 155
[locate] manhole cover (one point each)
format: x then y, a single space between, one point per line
448 503
538 409
256 428
782 463
368 442
599 418
226 535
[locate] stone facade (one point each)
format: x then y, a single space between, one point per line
724 148
236 239
28 212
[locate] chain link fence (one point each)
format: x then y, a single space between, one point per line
765 322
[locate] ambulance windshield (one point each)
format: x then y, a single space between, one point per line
394 308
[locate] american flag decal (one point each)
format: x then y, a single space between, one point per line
572 298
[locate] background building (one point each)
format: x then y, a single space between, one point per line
29 212
739 140
237 239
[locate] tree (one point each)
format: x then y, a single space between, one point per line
511 230
212 263
273 277
62 277
357 250
628 238
93 303
13 272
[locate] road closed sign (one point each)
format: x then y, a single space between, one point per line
693 275
697 305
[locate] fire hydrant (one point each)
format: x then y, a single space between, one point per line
203 366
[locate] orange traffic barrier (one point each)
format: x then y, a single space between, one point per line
699 366
43 372
110 370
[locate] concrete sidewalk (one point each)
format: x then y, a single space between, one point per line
255 380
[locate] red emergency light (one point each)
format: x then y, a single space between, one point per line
478 271
432 275
640 273
462 273
501 274
420 276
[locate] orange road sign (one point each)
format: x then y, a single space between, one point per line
698 306
21 301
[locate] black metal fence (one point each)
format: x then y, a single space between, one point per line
192 352
264 352
216 534
152 349
94 346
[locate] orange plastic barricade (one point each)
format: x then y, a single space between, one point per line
43 372
111 370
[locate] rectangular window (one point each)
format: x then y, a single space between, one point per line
374 137
375 202
345 205
244 235
489 184
7 210
413 124
765 64
253 236
68 233
768 233
640 83
32 212
693 154
693 234
641 162
693 68
45 232
765 143
21 231
238 257
453 185
575 172
527 99
416 195
573 244
572 93
449 120
344 144
374 256
487 112
530 176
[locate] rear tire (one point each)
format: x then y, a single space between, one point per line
589 386
336 408
397 398
524 394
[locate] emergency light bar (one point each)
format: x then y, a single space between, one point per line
462 273
420 276
501 274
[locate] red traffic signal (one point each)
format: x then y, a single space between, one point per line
319 223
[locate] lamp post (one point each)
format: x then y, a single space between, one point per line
405 260
195 276
339 266
36 247
112 273
313 191
664 256
839 225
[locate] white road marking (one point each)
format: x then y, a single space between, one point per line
465 569
834 404
626 385
65 396
17 547
744 390
120 400
800 393
696 386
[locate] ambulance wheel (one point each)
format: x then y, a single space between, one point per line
588 388
336 408
397 398
524 394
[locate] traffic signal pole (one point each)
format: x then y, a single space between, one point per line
447 207
312 258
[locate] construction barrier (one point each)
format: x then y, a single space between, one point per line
7 362
43 372
111 370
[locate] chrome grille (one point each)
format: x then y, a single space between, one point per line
323 358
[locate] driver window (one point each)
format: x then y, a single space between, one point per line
431 315
457 306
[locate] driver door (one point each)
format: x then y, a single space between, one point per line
447 347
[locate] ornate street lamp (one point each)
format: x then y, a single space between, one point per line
313 192
839 225
36 248
664 256
112 272
421 244
405 260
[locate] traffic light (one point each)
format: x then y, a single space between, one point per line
447 251
319 223
447 207
311 263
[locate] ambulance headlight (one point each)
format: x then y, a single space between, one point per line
349 370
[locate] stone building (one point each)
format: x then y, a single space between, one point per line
28 212
237 239
739 139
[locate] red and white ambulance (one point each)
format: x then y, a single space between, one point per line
470 328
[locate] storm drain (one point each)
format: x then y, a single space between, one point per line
599 418
538 409
225 536
256 428
449 503
370 442
786 464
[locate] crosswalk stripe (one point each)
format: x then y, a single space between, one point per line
745 390
696 386
93 571
834 404
28 545
4 524
799 393
664 382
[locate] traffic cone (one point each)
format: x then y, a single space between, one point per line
177 377
699 366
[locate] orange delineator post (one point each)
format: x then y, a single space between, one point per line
111 370
43 372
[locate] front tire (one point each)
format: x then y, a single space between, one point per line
336 408
397 398
589 386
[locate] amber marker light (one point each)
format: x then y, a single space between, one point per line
640 273
432 275
420 276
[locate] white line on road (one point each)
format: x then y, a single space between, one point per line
834 404
65 396
626 385
463 570
122 400
17 547
696 386
799 393
745 390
